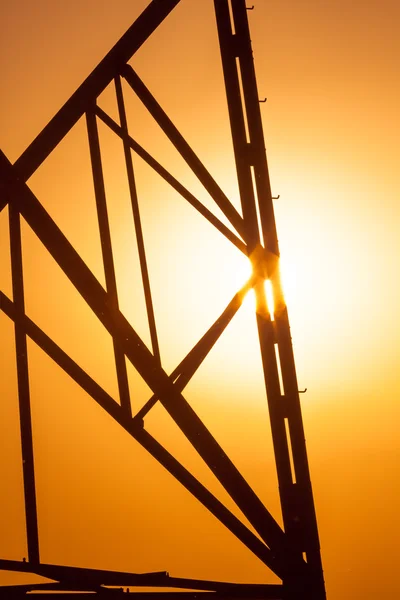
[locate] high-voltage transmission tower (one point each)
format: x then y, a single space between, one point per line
291 552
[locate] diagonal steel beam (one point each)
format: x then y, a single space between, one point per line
137 220
91 88
144 362
192 361
154 164
160 116
107 252
132 426
199 491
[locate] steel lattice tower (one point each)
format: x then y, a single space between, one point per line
291 553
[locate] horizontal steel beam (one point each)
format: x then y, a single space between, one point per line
85 579
271 592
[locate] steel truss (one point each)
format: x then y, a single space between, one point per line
293 553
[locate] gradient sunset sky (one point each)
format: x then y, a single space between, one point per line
330 72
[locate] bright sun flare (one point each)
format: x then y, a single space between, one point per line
241 275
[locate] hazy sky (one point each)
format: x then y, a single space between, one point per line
330 73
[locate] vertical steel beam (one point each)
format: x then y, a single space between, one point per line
28 469
137 221
106 247
284 407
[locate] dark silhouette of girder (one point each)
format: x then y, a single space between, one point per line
291 553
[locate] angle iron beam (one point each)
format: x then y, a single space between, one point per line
65 577
52 591
68 576
300 495
305 503
182 374
252 590
208 500
296 500
137 222
107 252
257 156
28 468
173 182
61 358
184 149
14 592
238 118
152 16
136 430
119 593
229 45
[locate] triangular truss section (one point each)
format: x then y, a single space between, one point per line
290 552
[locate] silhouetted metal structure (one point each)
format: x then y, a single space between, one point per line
293 553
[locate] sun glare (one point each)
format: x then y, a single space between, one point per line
240 272
249 300
270 297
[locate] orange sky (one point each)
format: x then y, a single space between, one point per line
330 73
